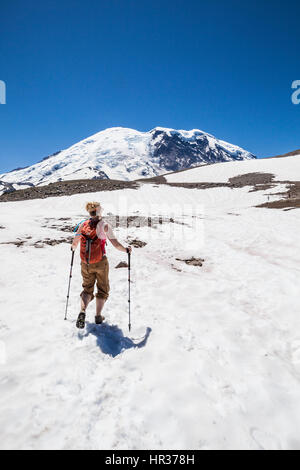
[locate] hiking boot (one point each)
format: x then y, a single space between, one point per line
99 319
81 321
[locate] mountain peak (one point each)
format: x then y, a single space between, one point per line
128 154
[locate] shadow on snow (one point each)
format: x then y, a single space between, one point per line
111 340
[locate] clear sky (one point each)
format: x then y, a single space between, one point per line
75 67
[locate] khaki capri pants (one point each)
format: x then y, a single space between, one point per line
96 273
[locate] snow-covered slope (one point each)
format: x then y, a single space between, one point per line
220 367
284 169
127 154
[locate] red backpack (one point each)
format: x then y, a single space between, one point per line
92 248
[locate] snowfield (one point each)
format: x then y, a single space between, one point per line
284 169
213 358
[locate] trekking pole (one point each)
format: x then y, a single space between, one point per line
68 296
129 268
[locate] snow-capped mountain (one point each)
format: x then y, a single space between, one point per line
127 154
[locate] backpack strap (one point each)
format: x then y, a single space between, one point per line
88 249
77 227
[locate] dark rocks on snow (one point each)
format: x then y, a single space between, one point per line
17 243
290 199
122 264
39 243
67 188
192 261
137 243
257 180
64 228
53 242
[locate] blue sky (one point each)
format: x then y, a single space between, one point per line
73 68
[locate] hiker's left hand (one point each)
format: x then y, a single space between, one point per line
129 249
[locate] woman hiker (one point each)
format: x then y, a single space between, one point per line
92 235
